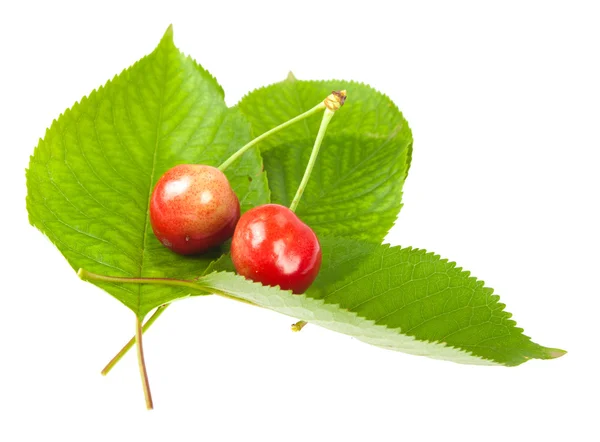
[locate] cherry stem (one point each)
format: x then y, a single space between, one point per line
142 364
313 158
131 342
308 113
332 103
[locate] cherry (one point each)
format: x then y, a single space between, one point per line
273 246
193 208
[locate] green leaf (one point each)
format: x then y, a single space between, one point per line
401 299
90 178
355 189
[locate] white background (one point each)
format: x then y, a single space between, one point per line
504 105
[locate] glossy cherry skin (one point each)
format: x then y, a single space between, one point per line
272 246
193 208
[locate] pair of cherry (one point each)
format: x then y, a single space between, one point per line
193 208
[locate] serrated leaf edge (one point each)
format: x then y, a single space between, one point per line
552 352
454 354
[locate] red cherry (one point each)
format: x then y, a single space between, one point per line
272 246
193 208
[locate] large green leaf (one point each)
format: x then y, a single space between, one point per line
398 298
90 178
355 189
424 296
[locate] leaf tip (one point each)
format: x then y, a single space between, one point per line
291 77
168 35
554 353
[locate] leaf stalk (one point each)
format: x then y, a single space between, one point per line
131 342
142 364
298 326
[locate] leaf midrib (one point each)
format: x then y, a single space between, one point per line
153 171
